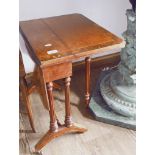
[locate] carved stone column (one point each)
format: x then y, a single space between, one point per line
115 100
118 87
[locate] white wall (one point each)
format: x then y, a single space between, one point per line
108 13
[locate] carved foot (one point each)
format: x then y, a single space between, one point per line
75 128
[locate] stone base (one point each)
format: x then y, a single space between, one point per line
103 113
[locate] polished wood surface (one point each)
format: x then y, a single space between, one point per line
56 128
28 83
53 121
49 136
26 90
26 100
57 72
42 86
73 36
87 80
53 43
68 121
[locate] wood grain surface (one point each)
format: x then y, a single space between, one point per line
73 36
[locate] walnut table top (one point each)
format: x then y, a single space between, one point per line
65 38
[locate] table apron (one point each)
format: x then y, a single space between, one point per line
56 72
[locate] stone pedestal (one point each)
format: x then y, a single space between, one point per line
101 110
114 100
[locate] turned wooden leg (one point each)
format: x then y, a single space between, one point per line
68 127
25 96
68 121
87 80
53 121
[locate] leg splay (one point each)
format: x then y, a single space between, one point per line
56 129
49 136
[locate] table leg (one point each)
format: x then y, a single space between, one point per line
68 121
55 130
53 121
87 80
27 102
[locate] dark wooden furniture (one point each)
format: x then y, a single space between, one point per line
26 85
53 44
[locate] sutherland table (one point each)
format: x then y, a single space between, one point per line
54 43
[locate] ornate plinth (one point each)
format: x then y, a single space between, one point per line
101 110
119 97
114 100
